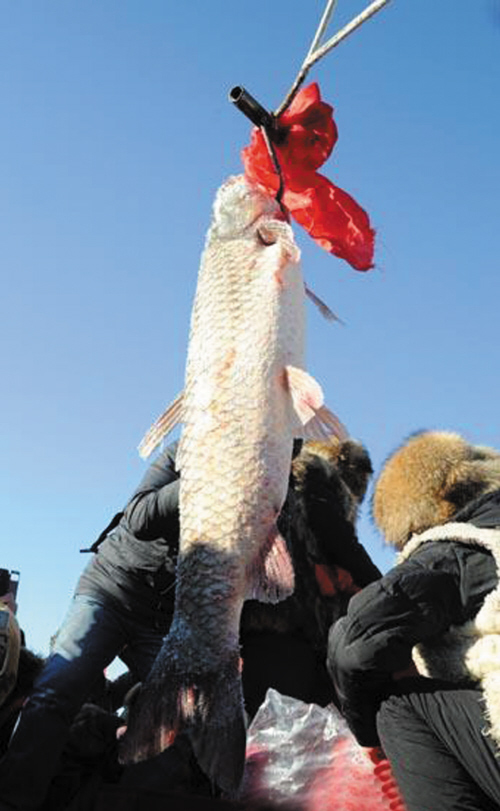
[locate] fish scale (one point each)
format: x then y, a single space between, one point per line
246 397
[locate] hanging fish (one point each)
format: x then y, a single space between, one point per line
246 397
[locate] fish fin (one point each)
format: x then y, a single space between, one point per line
219 743
307 394
207 706
323 425
317 421
272 577
163 425
322 307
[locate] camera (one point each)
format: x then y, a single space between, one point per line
9 581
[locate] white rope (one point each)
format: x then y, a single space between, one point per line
327 14
316 51
348 29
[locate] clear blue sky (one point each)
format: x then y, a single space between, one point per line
115 134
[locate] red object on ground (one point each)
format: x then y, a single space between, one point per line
304 757
307 134
349 785
383 772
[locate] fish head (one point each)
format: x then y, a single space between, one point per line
243 211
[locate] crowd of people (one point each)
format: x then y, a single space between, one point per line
411 658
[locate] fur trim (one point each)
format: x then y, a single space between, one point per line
455 531
347 458
471 650
425 481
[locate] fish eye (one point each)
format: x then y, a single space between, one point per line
264 237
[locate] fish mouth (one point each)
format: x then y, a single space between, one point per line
241 205
268 230
278 215
270 227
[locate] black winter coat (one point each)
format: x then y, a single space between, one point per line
441 584
134 566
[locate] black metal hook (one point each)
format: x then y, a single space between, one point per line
267 122
250 107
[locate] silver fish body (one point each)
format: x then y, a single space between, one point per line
246 397
238 416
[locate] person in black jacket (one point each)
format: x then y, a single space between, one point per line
284 645
122 606
416 660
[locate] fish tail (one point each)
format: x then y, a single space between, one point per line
219 736
207 706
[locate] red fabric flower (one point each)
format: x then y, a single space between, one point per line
309 129
307 136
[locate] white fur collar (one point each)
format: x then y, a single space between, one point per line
455 531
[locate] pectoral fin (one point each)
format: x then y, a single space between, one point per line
272 576
323 425
163 425
317 421
307 394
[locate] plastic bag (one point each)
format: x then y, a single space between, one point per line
303 757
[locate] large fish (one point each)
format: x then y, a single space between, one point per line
246 397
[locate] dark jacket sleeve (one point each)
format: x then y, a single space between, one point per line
153 510
415 601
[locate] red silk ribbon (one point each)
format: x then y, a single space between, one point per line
307 135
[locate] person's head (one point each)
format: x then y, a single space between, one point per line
346 460
431 476
10 646
8 588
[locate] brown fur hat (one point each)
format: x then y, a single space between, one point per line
425 481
